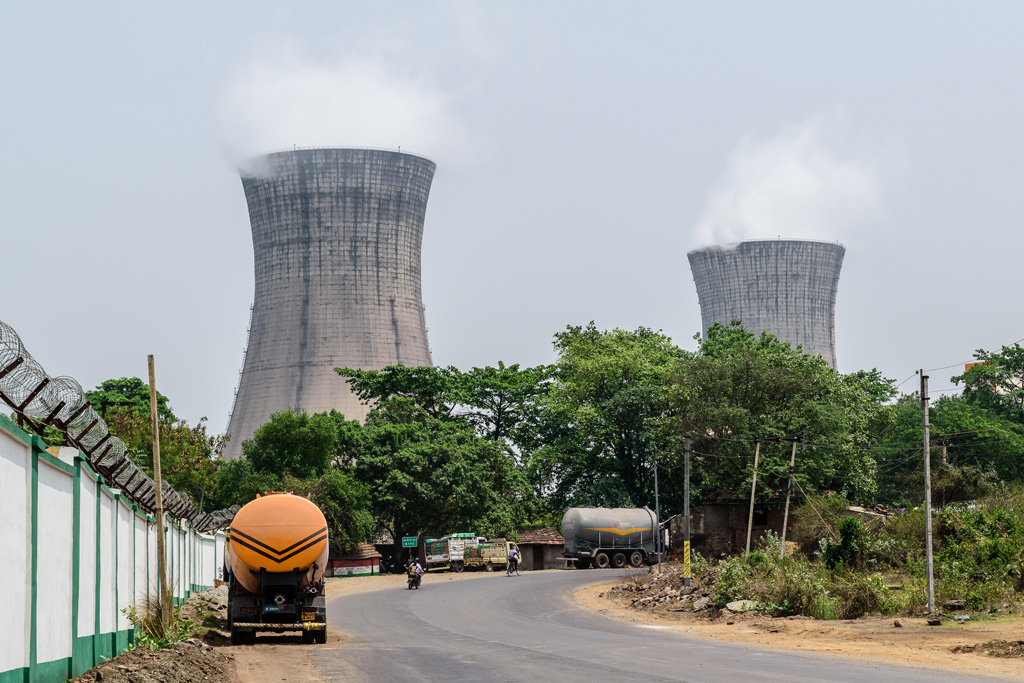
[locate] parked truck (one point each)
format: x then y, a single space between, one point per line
277 553
449 551
616 537
489 555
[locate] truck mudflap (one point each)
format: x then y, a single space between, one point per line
293 626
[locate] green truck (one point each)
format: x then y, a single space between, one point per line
448 552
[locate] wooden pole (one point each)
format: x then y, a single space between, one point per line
166 608
927 495
657 512
789 492
753 488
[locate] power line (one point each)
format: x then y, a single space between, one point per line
907 379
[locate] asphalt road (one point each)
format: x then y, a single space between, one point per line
527 628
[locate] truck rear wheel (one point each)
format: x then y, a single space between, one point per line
321 636
457 567
307 637
618 560
488 567
636 558
601 561
237 638
583 563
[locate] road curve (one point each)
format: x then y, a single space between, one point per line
527 628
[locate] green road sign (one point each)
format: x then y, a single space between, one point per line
409 542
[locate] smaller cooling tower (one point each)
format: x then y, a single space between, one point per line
785 287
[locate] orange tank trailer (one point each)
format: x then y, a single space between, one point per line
277 553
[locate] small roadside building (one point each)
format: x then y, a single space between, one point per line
363 561
541 549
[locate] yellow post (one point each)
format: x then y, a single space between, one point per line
686 561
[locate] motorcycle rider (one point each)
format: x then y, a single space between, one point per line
416 570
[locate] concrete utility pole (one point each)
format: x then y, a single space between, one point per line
789 492
753 488
686 513
166 609
927 494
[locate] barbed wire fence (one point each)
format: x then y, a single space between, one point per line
60 402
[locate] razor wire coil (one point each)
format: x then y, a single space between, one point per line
60 402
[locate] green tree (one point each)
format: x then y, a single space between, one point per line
996 382
434 476
239 483
293 443
972 447
601 415
435 390
501 403
188 453
740 387
134 392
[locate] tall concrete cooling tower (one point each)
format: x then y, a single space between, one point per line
336 235
787 287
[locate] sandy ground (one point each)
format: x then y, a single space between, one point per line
284 658
915 644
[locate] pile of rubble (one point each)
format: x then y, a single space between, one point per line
994 648
190 660
667 592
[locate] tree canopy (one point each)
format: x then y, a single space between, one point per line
740 387
599 418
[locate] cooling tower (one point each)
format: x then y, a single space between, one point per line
336 236
787 287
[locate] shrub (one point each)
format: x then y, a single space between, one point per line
847 551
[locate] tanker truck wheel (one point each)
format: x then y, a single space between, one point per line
636 558
583 563
308 637
321 636
618 560
601 561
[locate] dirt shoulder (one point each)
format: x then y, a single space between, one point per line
913 644
283 657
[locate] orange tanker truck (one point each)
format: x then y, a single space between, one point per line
276 556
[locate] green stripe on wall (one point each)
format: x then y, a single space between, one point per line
76 561
33 637
14 676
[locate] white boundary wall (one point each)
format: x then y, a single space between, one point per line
76 554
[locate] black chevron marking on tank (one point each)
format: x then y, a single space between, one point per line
272 549
255 549
308 545
267 555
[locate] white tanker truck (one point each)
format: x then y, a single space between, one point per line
615 537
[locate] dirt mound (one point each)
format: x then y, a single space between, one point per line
207 610
994 648
191 660
667 592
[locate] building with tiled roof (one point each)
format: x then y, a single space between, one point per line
541 549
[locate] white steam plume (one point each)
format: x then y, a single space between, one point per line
813 180
282 101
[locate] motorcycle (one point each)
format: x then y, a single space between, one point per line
414 579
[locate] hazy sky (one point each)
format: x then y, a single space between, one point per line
582 149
